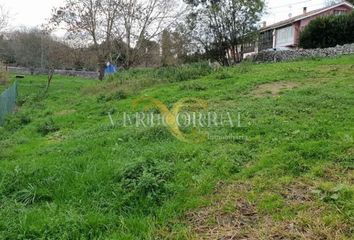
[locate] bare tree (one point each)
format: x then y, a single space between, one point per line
104 22
94 19
4 18
174 46
144 20
28 48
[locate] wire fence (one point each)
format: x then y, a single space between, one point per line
7 102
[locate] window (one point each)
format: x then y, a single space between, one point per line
285 37
339 12
266 40
249 47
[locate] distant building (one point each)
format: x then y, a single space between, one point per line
286 34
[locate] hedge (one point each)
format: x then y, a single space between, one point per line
328 31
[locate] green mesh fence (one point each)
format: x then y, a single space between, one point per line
7 102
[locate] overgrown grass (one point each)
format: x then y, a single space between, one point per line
164 74
66 173
134 80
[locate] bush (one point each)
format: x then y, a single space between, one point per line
16 121
47 127
146 181
118 95
328 31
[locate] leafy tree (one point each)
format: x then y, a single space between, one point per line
349 1
333 2
223 25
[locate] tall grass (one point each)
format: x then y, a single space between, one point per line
127 82
142 78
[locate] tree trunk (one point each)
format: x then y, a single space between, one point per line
50 77
101 71
238 55
127 54
234 54
101 68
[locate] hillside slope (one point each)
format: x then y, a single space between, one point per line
285 170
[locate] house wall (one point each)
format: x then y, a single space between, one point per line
306 21
268 39
297 33
300 25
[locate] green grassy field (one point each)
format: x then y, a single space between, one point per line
67 173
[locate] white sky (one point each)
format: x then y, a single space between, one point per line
31 13
279 10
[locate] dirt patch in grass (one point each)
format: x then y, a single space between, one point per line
225 220
233 216
273 89
335 173
297 193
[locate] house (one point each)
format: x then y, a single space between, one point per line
286 34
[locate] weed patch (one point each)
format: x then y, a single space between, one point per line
47 127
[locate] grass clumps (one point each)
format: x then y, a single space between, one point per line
17 121
133 80
193 87
47 127
116 96
145 183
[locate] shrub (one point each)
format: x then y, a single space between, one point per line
17 121
146 181
328 31
118 95
47 127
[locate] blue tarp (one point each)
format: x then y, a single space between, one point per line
110 69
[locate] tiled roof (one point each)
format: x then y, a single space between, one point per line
303 16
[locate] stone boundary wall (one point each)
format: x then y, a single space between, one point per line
37 71
290 55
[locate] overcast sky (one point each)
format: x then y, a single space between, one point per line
32 13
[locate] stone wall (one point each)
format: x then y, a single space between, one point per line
73 73
290 55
